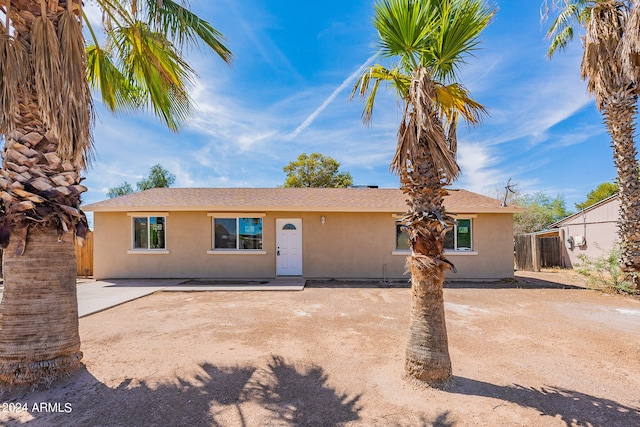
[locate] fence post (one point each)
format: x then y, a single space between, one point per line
535 253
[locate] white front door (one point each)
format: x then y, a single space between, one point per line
289 247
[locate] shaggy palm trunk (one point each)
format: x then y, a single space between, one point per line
619 116
427 355
39 215
39 338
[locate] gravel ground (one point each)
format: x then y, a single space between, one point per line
536 351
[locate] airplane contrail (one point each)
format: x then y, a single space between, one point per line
330 98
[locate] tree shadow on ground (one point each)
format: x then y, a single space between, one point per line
215 396
574 408
301 396
527 283
441 421
193 402
509 284
361 284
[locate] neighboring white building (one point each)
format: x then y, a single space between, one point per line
593 231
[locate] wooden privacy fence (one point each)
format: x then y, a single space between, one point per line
535 252
84 257
550 251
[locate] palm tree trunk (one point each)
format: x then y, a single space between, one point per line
40 216
427 354
39 337
619 116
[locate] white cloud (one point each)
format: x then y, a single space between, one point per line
478 165
531 103
352 77
93 13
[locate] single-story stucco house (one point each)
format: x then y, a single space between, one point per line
592 232
328 233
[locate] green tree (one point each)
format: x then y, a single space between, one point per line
611 66
601 192
120 190
46 72
316 170
426 41
158 177
540 212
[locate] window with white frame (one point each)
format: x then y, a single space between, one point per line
458 237
239 233
402 237
149 232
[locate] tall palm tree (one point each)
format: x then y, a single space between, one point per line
46 75
427 40
611 66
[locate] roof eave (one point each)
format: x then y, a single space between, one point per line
583 211
89 208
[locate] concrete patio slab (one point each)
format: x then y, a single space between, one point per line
95 296
278 284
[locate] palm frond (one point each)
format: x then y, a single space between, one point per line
601 65
367 92
13 79
115 12
153 64
185 27
566 18
452 136
76 114
571 13
560 41
561 30
631 44
141 64
403 28
46 65
116 90
368 83
456 36
455 100
422 132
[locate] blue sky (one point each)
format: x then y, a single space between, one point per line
287 92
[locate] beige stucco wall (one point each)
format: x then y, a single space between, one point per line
348 245
599 228
493 243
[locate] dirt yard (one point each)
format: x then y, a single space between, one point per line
534 352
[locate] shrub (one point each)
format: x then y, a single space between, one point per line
604 272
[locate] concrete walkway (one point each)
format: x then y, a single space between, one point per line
95 296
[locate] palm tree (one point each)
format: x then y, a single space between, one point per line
46 114
428 39
611 66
